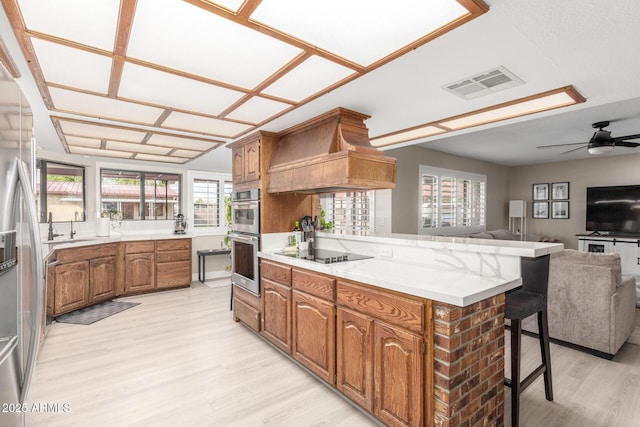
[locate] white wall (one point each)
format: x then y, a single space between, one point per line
592 172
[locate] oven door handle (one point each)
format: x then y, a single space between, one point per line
245 204
243 238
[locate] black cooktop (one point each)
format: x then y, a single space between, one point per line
324 256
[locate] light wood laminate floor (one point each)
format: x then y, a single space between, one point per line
178 359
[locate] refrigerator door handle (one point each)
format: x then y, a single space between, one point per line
36 266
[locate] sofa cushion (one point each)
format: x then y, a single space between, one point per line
481 235
503 235
610 260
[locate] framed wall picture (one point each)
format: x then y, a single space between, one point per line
560 210
560 191
540 191
540 210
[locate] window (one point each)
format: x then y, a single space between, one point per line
60 191
451 201
349 213
209 201
140 195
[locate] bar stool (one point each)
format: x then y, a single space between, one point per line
520 304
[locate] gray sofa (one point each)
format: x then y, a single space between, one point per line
590 304
493 234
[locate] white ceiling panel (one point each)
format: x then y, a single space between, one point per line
181 36
91 22
311 76
186 153
137 148
73 67
258 109
181 143
157 87
83 142
154 158
360 30
97 131
103 107
99 153
208 125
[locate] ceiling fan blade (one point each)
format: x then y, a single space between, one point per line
544 147
627 144
572 150
624 138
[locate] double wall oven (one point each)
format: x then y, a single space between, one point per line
245 239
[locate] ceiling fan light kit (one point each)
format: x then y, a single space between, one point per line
598 150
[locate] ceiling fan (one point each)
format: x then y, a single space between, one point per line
601 142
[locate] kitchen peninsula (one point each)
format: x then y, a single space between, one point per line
414 335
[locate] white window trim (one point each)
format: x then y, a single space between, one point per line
189 214
430 170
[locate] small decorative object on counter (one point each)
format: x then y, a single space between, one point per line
180 226
116 219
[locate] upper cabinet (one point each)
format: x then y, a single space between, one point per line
246 163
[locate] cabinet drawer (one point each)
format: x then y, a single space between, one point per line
139 247
170 274
174 244
276 272
86 252
314 284
184 255
246 297
246 314
387 307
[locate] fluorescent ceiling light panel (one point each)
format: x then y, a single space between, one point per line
510 111
97 131
184 143
152 158
206 125
102 107
308 78
257 109
99 153
137 148
409 135
73 67
92 22
359 30
157 87
83 142
184 37
186 153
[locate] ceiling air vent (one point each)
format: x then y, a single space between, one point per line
490 81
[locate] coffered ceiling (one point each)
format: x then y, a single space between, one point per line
173 81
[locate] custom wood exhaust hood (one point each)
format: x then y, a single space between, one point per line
329 153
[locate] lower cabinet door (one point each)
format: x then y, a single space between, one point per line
102 283
139 272
398 373
276 314
355 357
71 286
313 328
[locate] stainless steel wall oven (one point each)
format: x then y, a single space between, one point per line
245 240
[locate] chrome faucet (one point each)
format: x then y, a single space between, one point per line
73 233
51 234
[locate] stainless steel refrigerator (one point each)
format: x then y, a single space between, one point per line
22 290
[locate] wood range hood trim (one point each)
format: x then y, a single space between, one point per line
329 153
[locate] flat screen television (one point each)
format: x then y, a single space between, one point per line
614 209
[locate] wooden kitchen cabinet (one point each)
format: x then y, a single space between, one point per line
246 308
314 322
139 267
246 164
102 279
71 286
82 276
173 263
276 304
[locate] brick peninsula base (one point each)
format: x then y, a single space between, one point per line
468 387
